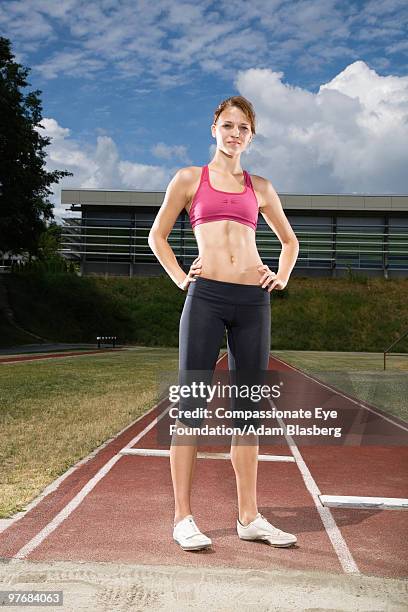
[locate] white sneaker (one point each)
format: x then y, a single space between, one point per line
188 536
261 529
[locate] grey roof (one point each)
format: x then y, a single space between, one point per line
78 198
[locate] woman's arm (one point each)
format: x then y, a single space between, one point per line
272 211
174 201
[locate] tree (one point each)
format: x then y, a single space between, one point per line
49 242
24 182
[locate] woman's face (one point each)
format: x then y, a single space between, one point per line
232 126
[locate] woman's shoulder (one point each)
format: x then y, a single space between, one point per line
262 187
189 173
189 178
258 182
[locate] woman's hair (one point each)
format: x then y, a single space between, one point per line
242 103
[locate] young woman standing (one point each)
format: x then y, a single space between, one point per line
228 287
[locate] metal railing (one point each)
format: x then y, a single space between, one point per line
360 248
387 350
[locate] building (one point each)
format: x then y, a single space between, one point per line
336 232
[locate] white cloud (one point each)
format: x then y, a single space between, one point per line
348 137
97 167
144 176
163 151
163 42
74 63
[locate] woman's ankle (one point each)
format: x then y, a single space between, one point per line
180 516
247 517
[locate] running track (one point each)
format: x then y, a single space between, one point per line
118 507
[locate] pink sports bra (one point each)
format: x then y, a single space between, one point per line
211 204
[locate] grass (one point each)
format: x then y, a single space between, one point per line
310 314
55 412
12 336
360 375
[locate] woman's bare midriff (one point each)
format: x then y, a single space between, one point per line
228 251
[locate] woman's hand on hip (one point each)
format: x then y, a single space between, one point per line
271 278
195 270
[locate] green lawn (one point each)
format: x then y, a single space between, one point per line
359 374
55 412
317 314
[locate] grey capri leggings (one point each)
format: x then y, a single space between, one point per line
210 307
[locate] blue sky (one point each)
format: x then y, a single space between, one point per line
129 88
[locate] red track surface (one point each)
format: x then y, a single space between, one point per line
127 516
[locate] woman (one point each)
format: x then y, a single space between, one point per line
229 287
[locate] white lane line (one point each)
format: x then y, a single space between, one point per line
154 452
338 392
356 501
53 486
338 542
80 496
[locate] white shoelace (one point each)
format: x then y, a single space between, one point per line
194 527
274 529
